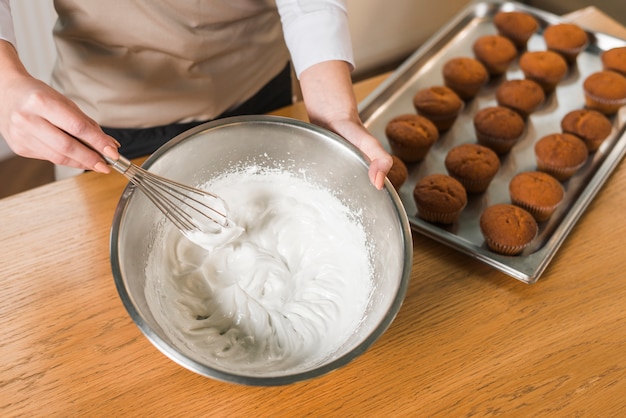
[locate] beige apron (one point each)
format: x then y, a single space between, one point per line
142 63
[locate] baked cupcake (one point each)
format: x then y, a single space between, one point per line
537 192
439 198
398 173
507 229
411 136
566 39
615 60
560 155
546 68
473 165
495 52
438 104
605 91
466 76
523 96
590 126
517 26
498 128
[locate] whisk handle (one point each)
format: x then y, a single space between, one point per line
121 165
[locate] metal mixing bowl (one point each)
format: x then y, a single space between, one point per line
204 152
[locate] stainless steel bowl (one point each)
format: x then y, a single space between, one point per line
204 152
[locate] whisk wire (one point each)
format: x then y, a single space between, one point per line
189 209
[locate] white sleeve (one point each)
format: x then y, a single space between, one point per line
316 31
6 22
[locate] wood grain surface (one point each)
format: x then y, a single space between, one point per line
468 340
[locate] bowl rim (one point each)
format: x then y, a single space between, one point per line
244 379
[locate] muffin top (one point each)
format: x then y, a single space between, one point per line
472 161
589 125
536 188
606 85
495 52
437 100
615 60
508 225
522 96
566 37
561 150
465 70
543 64
398 173
515 25
440 193
499 122
411 129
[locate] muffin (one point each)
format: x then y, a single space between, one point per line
439 198
498 128
536 192
523 96
473 165
411 136
466 76
615 60
605 91
560 155
566 39
517 26
495 52
398 173
438 104
546 68
590 126
507 229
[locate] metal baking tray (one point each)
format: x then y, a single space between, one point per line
423 69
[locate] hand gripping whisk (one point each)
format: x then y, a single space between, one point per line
191 210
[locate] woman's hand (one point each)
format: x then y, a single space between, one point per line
330 102
38 122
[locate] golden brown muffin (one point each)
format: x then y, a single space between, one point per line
605 91
590 126
517 26
466 76
411 136
439 104
495 52
473 165
546 68
566 39
560 155
498 128
507 229
615 60
537 192
439 198
523 96
398 173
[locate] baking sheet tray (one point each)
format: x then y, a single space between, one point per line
423 69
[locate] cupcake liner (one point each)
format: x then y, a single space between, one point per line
473 186
438 216
505 249
441 122
570 54
605 106
559 173
498 145
540 213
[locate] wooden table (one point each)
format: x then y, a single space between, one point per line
468 340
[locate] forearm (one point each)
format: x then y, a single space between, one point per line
330 102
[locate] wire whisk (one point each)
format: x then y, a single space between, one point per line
191 210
